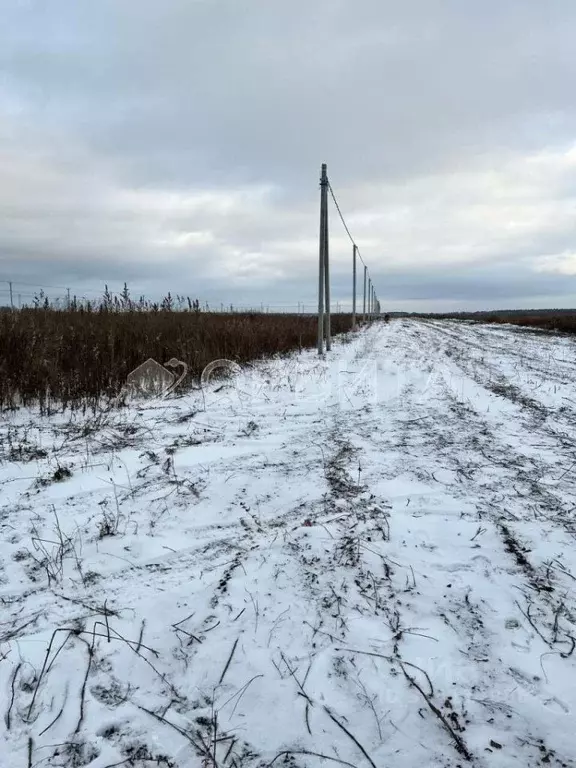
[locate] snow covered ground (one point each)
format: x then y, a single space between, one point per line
367 560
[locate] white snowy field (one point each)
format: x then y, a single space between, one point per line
368 560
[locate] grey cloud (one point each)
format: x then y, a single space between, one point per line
190 93
103 104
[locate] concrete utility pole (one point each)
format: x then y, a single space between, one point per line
327 307
322 256
354 286
11 296
370 299
364 309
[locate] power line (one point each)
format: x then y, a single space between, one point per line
36 285
371 303
340 213
344 224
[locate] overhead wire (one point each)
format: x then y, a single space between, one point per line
345 225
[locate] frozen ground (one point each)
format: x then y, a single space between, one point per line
368 560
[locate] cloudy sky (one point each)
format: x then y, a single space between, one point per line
176 145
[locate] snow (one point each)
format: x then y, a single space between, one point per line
363 560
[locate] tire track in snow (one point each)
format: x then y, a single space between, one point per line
473 474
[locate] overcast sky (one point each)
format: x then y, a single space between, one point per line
176 145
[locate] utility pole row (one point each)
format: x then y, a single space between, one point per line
370 305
